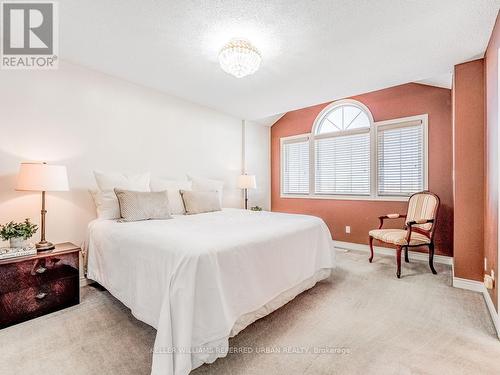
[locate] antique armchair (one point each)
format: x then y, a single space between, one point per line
420 225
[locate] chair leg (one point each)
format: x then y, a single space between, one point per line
431 258
371 249
407 260
398 261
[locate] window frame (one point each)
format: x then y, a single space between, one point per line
375 125
294 139
400 123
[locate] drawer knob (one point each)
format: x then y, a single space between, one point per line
41 296
41 270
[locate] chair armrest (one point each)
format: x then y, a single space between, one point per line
422 221
410 225
389 216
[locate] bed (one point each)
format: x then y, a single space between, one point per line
201 279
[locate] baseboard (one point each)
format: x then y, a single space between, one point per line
84 281
475 286
413 255
478 286
491 307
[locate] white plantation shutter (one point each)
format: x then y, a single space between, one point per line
295 166
343 164
400 158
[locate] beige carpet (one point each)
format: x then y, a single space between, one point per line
366 320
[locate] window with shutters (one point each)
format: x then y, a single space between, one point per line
401 157
295 165
341 141
349 156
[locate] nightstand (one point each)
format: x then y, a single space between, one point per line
39 284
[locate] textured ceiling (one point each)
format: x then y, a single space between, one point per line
313 51
443 80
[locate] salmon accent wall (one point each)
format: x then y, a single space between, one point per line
395 102
492 163
468 143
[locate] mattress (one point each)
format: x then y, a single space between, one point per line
199 279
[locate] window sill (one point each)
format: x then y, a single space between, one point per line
347 197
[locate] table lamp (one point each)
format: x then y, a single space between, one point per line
42 177
246 181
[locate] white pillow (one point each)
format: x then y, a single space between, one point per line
174 196
206 184
109 181
106 204
105 199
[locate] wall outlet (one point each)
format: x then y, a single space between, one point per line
347 229
488 281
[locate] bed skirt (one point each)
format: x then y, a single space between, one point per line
245 320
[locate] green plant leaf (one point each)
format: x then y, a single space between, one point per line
26 230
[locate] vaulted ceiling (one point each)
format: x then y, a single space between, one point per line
313 51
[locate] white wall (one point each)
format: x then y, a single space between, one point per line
87 120
257 155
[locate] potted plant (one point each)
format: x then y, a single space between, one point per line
18 233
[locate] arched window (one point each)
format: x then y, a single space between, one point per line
342 116
341 140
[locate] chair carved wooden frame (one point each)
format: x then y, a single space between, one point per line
420 226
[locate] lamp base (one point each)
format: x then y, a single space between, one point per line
44 246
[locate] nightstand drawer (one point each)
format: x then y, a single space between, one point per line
36 272
20 305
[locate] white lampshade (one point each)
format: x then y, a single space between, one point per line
42 177
247 181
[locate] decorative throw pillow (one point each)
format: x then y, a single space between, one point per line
174 196
107 206
140 205
197 202
205 184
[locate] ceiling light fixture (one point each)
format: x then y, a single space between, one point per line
239 58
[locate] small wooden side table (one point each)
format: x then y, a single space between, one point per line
39 284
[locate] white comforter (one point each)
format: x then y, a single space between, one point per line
192 277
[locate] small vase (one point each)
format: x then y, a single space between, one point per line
17 242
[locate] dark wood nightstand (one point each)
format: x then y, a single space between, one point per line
39 284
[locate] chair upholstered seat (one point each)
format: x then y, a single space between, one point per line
398 237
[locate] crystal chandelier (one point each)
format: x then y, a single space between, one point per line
239 58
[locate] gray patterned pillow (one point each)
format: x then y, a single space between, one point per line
197 202
138 205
